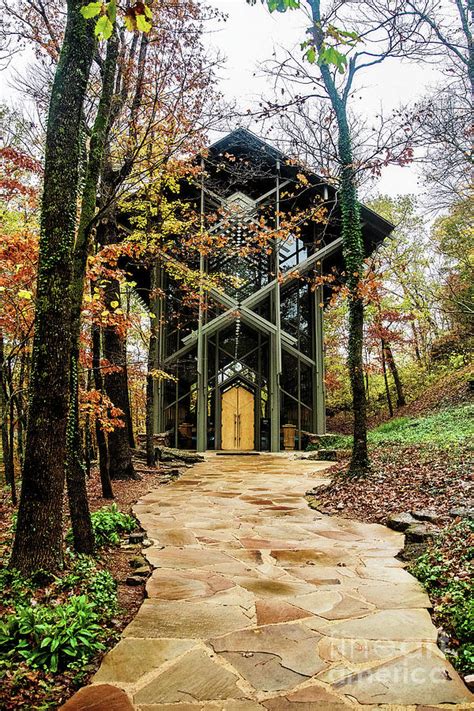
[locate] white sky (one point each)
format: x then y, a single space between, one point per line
249 37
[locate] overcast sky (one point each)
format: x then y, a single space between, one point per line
250 36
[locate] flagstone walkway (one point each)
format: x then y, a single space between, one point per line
258 602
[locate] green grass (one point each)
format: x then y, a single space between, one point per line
453 425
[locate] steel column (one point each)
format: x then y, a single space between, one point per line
275 339
319 397
201 424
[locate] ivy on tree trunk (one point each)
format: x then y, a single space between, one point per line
353 252
38 539
75 473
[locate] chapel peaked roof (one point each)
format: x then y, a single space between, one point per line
243 138
241 142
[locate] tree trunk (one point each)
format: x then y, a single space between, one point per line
128 411
395 375
152 359
353 252
20 410
5 416
11 443
81 524
38 539
116 387
107 492
76 469
415 343
385 379
120 457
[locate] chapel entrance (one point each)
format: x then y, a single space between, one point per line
238 419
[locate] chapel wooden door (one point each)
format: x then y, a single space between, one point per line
238 419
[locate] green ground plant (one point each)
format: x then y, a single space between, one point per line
59 624
108 523
453 425
53 637
55 625
446 570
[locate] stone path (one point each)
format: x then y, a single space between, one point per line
259 603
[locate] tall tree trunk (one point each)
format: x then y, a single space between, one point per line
353 252
395 375
128 411
116 387
107 492
76 469
81 524
38 539
20 410
152 359
11 438
415 343
6 424
385 379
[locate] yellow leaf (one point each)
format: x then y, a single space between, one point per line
104 313
142 23
114 304
24 294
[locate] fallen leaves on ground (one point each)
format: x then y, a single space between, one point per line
401 479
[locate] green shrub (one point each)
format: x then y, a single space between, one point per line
426 572
102 590
108 523
15 589
52 637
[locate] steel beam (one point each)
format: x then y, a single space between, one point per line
319 396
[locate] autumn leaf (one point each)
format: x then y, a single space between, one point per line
91 10
104 28
143 24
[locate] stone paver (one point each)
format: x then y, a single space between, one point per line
259 602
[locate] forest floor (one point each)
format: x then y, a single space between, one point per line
423 460
27 688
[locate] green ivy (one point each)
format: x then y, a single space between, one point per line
446 571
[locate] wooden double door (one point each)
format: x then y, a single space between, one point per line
238 419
